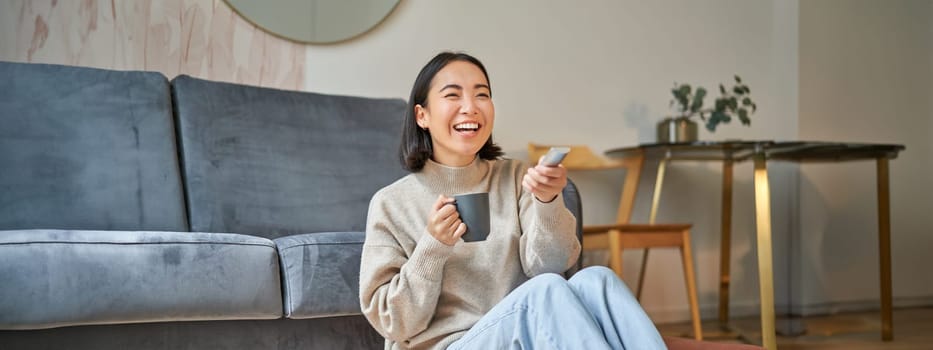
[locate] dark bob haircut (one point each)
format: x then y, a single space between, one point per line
416 147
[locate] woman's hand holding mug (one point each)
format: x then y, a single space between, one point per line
444 221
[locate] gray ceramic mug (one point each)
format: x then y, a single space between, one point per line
474 212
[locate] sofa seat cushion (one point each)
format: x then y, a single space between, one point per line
321 273
53 278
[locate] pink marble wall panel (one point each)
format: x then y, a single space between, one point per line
201 38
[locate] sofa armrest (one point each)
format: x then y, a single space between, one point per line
321 273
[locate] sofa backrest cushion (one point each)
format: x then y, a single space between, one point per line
85 148
271 163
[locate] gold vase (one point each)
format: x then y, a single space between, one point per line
677 130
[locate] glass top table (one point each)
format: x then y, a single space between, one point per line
760 152
799 151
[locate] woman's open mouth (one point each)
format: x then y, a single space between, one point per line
467 129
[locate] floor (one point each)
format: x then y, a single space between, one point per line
913 329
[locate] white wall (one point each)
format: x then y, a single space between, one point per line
866 69
599 73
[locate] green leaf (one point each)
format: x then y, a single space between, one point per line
722 89
754 107
738 90
738 80
720 104
747 91
685 89
682 103
714 119
746 101
680 95
743 116
733 103
698 100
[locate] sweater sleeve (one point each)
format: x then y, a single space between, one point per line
399 293
549 242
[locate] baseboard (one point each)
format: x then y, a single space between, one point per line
661 315
681 313
861 305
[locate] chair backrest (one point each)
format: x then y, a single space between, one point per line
572 202
581 158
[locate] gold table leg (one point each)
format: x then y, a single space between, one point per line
765 268
884 245
725 246
655 199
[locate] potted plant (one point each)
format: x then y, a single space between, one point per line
688 103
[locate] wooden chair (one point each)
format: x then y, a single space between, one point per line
622 235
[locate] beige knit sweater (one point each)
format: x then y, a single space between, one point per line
422 294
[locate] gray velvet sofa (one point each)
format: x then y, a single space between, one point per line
140 213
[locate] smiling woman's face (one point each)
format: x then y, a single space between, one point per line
458 113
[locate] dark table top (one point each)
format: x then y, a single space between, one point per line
796 151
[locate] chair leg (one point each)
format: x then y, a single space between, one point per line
615 252
884 247
687 256
641 275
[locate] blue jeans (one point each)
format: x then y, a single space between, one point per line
593 310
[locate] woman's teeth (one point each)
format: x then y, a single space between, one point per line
466 126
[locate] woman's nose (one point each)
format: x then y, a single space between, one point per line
468 106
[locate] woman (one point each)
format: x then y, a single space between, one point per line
422 287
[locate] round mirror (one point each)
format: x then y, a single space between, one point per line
314 21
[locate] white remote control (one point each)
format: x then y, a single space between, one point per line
554 156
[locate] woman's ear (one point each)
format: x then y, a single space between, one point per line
421 117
